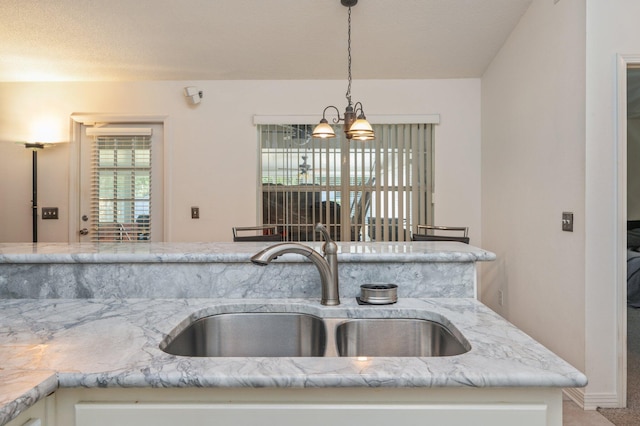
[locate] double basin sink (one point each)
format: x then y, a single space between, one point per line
270 334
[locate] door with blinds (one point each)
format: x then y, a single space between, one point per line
121 185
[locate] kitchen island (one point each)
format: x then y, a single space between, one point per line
100 356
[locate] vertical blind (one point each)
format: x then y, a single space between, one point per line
120 209
376 190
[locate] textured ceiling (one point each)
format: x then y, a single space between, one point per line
92 40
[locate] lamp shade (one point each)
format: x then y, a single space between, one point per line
361 130
323 130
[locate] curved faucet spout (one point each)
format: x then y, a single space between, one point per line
265 256
328 268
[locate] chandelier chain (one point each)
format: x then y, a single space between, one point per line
356 125
348 95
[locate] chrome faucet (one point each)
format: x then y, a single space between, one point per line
327 265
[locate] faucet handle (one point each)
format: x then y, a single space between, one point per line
329 246
323 230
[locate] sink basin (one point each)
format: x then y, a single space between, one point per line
397 337
273 334
263 334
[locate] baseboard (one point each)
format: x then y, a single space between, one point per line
576 395
592 401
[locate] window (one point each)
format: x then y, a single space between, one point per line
120 187
377 190
121 182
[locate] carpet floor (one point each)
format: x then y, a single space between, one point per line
629 416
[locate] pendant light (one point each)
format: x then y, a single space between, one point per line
356 125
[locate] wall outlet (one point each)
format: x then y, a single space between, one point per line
500 297
195 212
49 213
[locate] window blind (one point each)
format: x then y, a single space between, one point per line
377 190
120 208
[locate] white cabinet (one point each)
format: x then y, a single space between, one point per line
168 414
311 407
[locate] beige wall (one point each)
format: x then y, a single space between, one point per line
533 154
213 154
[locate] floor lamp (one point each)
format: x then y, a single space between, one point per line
34 147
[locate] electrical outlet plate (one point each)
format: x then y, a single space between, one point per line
195 212
49 213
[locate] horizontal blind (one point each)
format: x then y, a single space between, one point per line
121 188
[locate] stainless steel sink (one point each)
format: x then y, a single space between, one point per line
397 337
270 334
251 334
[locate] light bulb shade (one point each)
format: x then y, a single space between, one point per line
361 130
364 137
323 130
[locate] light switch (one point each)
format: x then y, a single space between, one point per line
195 212
49 213
567 221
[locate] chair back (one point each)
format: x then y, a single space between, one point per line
256 233
427 233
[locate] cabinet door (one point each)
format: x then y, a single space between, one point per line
125 414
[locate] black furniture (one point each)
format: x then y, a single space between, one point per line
427 233
256 233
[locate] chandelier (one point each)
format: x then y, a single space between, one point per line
356 125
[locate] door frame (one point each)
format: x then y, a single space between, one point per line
81 119
623 63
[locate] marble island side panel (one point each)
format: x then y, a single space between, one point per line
223 270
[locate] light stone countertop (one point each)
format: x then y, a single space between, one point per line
20 389
115 343
419 251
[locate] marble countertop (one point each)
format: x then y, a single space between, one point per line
418 251
45 344
20 389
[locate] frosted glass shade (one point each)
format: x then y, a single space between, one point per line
323 130
361 130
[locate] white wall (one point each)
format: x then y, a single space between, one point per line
533 154
214 144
